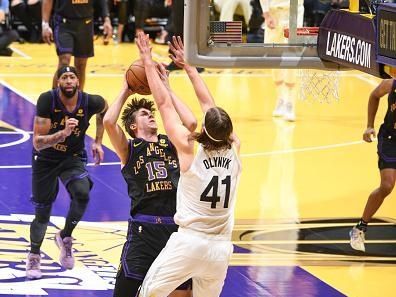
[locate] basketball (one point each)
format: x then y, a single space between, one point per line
136 78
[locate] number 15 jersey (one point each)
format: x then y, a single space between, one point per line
207 192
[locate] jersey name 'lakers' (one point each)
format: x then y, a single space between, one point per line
152 174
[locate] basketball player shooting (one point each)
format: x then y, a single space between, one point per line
202 247
151 170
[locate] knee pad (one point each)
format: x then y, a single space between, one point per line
79 189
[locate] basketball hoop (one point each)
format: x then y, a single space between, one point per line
316 85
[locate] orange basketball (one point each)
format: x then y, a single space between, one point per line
136 78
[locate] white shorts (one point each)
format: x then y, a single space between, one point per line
189 254
228 8
282 16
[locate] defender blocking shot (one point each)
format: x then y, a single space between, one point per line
206 195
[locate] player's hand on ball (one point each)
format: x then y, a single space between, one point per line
128 90
136 78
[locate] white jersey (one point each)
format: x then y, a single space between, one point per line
206 193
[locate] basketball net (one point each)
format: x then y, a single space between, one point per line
319 85
316 85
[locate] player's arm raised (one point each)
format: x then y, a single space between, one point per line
382 89
202 92
116 134
178 134
186 116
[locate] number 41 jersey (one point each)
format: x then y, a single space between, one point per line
207 192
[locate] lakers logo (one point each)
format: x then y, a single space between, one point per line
163 143
80 112
97 249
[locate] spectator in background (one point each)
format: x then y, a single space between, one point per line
277 14
73 28
251 12
6 36
175 25
121 10
228 8
337 4
29 13
162 38
315 10
176 28
256 28
144 9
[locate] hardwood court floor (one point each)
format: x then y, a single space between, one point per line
303 186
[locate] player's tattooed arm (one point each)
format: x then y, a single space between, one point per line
40 130
42 126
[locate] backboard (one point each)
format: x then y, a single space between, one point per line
296 52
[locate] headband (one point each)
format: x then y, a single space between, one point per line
206 131
65 69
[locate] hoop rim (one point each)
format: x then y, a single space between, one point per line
302 31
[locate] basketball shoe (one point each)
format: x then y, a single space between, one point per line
357 239
279 109
66 257
289 114
33 266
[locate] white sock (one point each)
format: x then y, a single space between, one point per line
290 95
281 91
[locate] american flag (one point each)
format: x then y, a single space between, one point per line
226 32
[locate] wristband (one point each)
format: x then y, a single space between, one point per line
45 25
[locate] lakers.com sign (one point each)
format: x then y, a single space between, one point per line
349 40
